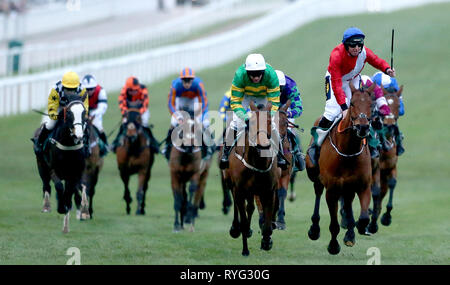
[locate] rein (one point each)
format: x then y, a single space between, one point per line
64 147
249 166
339 130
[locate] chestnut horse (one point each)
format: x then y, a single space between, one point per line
185 164
134 155
385 169
252 172
344 169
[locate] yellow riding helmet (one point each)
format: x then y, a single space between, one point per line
70 80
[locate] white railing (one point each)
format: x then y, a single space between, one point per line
21 94
41 57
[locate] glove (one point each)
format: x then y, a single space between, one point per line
54 117
385 110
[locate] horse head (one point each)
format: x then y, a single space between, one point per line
74 116
133 120
360 110
393 100
260 135
189 130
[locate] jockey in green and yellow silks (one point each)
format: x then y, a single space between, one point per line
253 81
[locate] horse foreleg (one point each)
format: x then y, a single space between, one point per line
84 203
314 230
376 196
391 182
349 239
244 223
140 194
193 202
59 187
177 192
332 202
282 194
364 201
260 211
46 188
126 196
268 207
226 195
235 230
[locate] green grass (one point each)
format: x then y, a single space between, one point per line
420 231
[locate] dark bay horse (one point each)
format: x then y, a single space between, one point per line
253 172
185 165
134 156
94 164
226 190
63 157
385 168
344 169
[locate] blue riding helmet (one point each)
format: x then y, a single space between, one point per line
352 32
389 83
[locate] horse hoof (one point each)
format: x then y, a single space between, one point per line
372 228
334 247
234 232
140 212
349 239
128 211
292 197
266 244
249 233
177 229
245 252
361 225
225 210
281 226
314 233
386 220
191 228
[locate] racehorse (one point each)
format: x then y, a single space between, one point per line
279 208
63 157
134 156
344 169
253 173
185 166
94 164
385 176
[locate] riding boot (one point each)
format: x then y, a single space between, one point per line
154 144
319 134
103 138
168 146
299 161
399 141
39 141
224 163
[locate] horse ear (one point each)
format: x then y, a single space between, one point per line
286 105
252 106
384 90
268 106
399 92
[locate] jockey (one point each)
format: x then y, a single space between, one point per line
134 91
257 81
225 105
346 63
187 92
289 91
69 85
391 85
98 103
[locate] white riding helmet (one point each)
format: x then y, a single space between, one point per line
281 77
255 61
89 81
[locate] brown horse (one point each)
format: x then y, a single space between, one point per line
385 168
252 172
185 164
93 166
226 190
134 155
279 208
344 169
